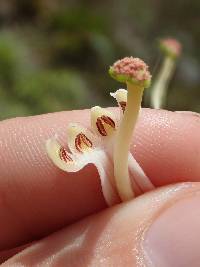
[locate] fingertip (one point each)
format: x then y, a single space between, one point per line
167 146
42 198
123 235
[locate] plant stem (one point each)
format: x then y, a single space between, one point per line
123 140
159 89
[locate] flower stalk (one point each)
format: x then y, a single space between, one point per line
159 90
123 140
134 72
171 49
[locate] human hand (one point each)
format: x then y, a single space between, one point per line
37 199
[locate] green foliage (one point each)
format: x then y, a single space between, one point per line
48 91
79 19
55 55
28 89
12 58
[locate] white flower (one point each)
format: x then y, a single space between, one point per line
96 146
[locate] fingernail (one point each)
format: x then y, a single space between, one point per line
173 239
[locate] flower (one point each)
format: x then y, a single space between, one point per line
97 146
132 70
171 49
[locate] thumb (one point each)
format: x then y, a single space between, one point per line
160 228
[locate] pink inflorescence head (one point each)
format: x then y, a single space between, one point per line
171 47
132 70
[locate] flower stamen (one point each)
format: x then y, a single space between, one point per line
102 121
102 124
123 105
64 155
82 142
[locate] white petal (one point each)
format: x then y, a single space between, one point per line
121 96
74 163
105 170
62 158
140 178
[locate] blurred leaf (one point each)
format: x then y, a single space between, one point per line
50 90
77 19
103 47
13 58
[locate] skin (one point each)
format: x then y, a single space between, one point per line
37 200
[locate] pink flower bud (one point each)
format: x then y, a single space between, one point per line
171 47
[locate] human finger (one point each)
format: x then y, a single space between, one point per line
37 198
160 228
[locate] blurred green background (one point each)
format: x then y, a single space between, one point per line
54 54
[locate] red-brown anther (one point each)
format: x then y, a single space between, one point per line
108 120
82 142
64 155
100 127
101 122
123 105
